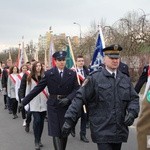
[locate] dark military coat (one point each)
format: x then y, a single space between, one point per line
143 125
108 99
124 68
56 86
142 79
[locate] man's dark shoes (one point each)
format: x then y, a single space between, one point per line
40 144
84 139
73 133
5 107
27 128
37 146
10 112
15 116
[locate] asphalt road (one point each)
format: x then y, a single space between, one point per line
14 137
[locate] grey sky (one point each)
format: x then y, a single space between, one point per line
34 17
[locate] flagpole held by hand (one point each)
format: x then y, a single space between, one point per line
84 108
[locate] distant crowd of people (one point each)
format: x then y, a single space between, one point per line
104 100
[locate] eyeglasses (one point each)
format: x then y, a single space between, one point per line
61 59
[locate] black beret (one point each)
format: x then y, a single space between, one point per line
112 51
60 54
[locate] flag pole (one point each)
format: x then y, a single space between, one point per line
18 59
45 59
9 55
101 35
84 108
73 60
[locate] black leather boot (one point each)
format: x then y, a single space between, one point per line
64 142
57 143
40 144
27 128
84 139
37 146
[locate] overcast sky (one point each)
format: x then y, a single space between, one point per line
30 18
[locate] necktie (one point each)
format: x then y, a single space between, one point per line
81 71
61 74
113 75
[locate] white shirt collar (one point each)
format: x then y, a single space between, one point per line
110 71
78 69
60 70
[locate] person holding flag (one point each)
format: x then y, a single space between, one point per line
82 72
143 125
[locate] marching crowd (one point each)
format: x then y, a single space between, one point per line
17 83
104 99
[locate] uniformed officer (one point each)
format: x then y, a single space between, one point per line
112 102
124 68
143 124
142 79
62 85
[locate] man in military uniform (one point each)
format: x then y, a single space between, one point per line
142 79
62 85
124 68
143 125
112 102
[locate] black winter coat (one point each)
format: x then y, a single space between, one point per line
108 99
68 86
142 79
124 68
5 77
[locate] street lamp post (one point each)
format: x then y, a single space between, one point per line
80 30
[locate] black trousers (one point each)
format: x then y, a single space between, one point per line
9 103
23 112
5 99
28 117
38 124
109 146
83 123
14 103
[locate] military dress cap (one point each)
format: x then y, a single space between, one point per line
112 51
60 55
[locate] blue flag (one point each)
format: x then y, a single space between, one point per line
98 53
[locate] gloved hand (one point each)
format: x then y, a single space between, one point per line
20 107
129 119
63 102
66 129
